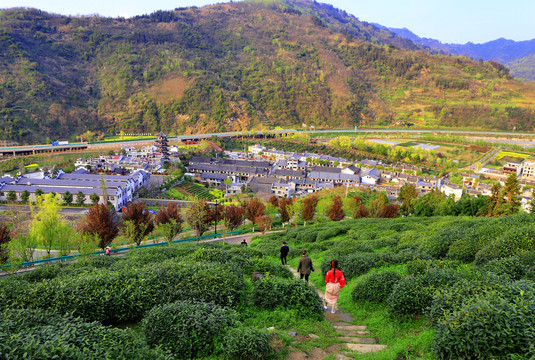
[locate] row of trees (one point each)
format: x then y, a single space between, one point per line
67 198
504 200
102 225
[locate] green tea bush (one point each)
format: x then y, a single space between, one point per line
449 298
387 241
272 292
421 266
414 294
349 246
438 244
112 296
512 267
271 244
513 242
43 272
265 267
144 256
410 297
489 326
376 287
246 343
354 265
188 330
39 334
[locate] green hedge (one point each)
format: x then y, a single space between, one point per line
38 334
413 295
112 296
188 330
376 287
354 265
246 343
273 292
489 325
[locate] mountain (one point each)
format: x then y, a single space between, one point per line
237 66
515 55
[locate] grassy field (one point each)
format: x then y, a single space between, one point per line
512 154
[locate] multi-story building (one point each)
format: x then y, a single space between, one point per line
528 168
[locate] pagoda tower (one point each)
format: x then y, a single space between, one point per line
162 145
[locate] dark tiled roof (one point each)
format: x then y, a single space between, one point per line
289 173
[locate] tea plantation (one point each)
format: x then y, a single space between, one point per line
174 302
431 288
428 288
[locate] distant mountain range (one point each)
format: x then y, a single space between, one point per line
238 66
518 56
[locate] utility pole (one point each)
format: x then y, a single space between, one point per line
215 224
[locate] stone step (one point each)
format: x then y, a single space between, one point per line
340 323
359 340
352 332
350 327
364 348
339 316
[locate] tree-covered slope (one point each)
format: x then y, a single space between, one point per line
236 66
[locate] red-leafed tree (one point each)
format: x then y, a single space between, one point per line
5 238
274 201
101 221
336 212
264 223
254 208
137 222
284 203
309 208
233 216
168 220
390 211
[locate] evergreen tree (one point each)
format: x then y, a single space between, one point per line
67 198
80 198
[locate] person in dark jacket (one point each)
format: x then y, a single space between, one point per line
305 267
284 252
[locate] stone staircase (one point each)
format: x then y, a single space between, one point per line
354 337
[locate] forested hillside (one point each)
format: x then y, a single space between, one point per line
237 66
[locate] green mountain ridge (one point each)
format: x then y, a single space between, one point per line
515 55
234 67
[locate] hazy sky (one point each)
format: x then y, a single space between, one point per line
454 21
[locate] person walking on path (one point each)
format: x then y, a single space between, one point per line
284 252
244 242
304 267
334 280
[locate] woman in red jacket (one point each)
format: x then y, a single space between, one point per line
335 281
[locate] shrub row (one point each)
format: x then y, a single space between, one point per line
272 292
489 325
112 296
39 334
